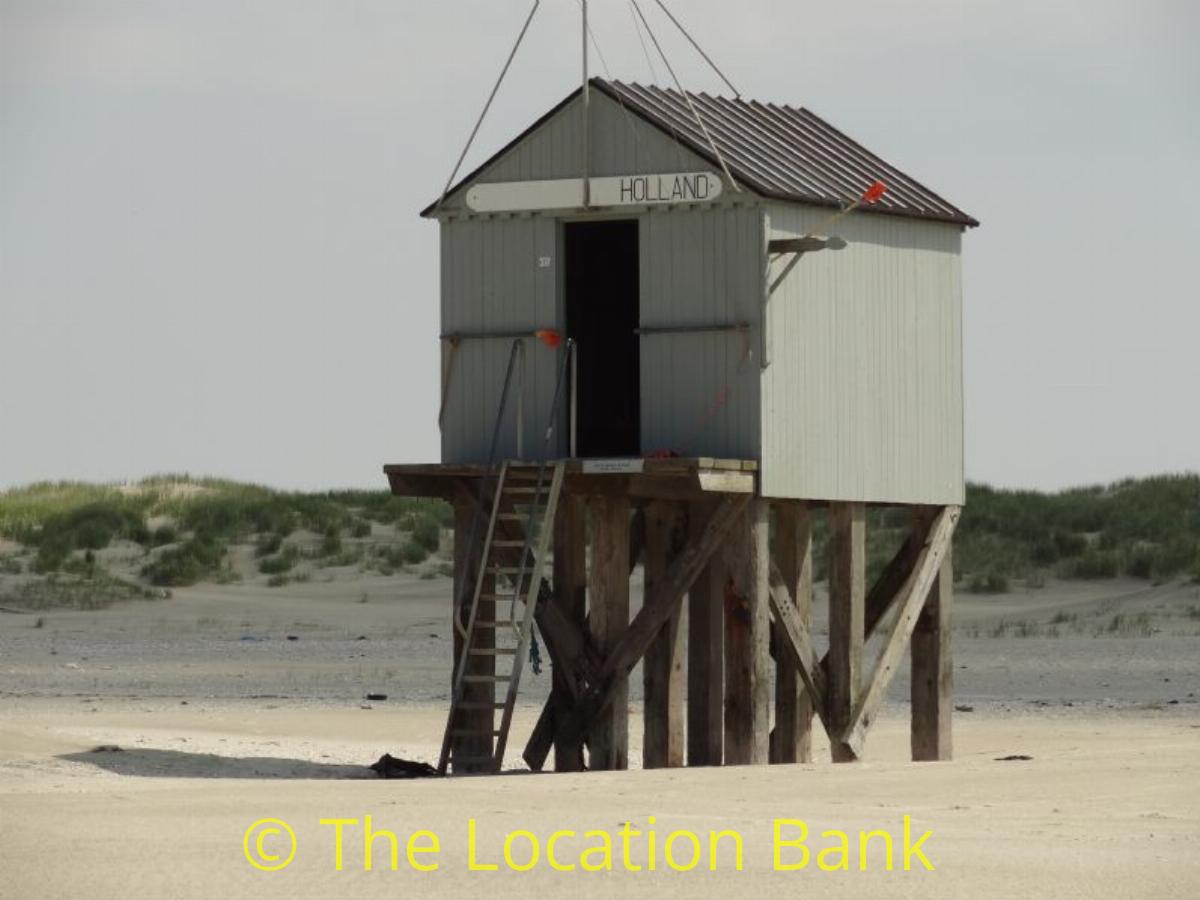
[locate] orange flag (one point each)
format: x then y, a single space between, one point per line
874 192
549 337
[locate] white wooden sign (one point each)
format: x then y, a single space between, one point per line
613 466
620 190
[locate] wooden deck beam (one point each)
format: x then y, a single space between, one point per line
639 479
847 626
792 735
706 653
570 596
664 666
932 689
608 594
747 639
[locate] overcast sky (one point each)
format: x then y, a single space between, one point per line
211 260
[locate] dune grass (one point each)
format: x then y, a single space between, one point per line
206 516
94 591
1143 528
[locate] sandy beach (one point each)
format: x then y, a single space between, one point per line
222 720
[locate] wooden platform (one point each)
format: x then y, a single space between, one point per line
651 479
727 606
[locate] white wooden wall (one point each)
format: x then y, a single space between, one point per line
862 399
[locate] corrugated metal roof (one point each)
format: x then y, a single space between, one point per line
782 152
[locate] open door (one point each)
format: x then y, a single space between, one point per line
601 295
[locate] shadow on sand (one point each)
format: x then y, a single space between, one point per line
148 763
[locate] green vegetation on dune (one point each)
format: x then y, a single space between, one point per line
1144 528
1141 528
95 591
186 528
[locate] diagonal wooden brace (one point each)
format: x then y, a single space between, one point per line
909 601
655 611
799 642
888 585
541 739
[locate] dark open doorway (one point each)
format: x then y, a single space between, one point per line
601 286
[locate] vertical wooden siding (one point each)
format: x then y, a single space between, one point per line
700 391
622 144
492 282
699 266
862 399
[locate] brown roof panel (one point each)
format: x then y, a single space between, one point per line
782 152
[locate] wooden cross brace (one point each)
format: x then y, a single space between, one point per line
659 606
908 602
904 585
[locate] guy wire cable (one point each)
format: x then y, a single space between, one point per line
488 105
699 49
687 99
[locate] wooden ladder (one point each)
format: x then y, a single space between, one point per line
511 553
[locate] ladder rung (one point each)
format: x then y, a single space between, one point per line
516 544
496 651
486 679
522 489
508 570
511 517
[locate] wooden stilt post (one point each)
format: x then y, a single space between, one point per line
706 655
608 595
932 690
792 735
570 593
847 594
481 696
747 639
663 667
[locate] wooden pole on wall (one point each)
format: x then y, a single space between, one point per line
706 654
747 639
792 734
570 593
608 594
663 668
847 594
932 690
481 696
